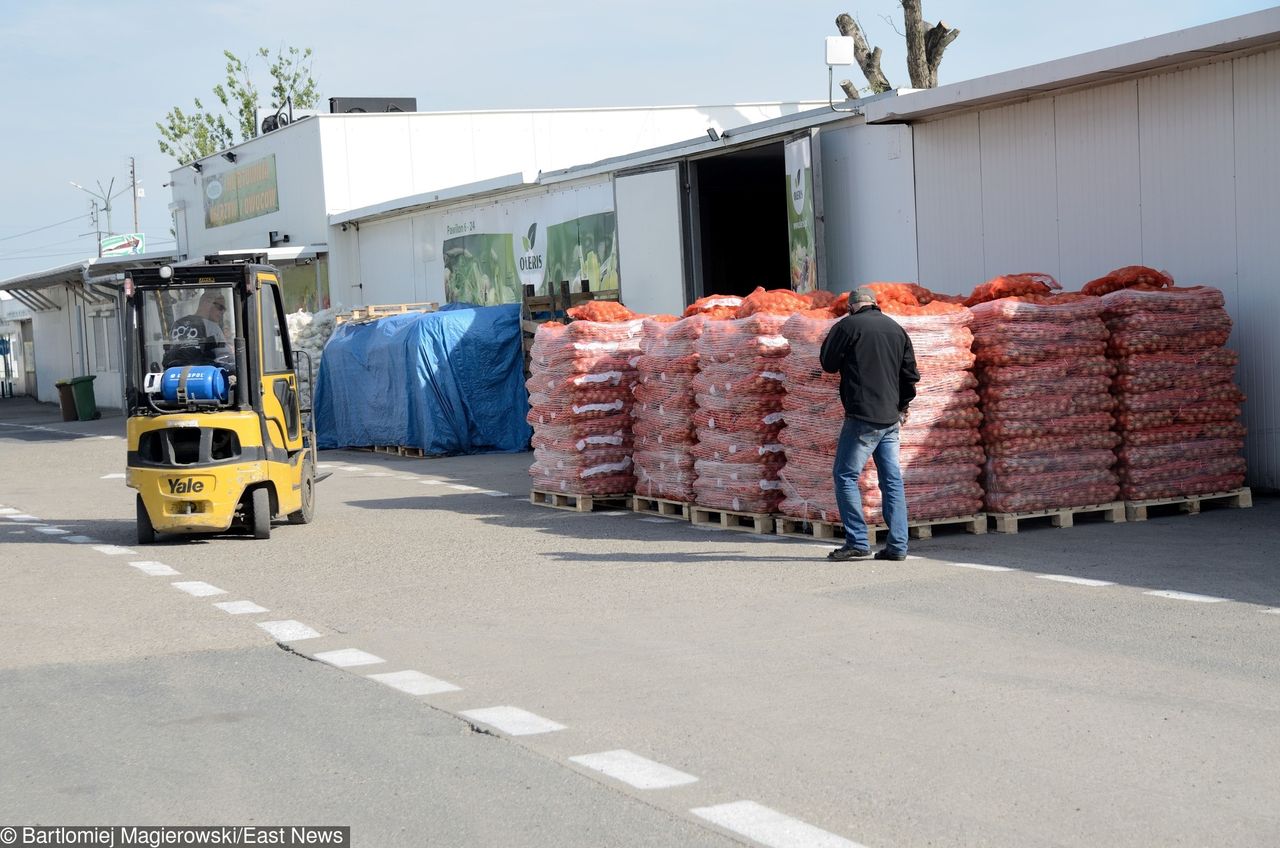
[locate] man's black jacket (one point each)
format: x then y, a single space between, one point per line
877 365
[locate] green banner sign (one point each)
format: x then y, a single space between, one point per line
242 193
802 228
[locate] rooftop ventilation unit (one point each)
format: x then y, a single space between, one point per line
340 105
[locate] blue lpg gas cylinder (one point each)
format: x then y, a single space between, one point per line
194 383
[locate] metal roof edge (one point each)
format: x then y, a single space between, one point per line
1199 43
427 199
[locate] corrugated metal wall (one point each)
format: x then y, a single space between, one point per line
1180 171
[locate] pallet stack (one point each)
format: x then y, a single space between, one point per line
663 412
580 407
1177 402
939 453
1048 428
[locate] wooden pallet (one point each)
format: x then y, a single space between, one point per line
660 507
727 519
573 502
398 450
373 312
1007 522
1189 504
800 528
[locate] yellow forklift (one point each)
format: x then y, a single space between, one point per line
217 438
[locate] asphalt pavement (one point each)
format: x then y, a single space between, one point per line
435 661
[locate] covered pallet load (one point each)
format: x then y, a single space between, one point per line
664 409
1178 407
939 451
1045 381
580 400
738 394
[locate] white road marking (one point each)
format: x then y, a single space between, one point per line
634 769
462 488
614 512
52 531
21 516
770 827
288 631
431 482
979 566
80 540
656 520
351 468
1079 581
414 682
197 588
378 474
240 607
496 494
112 477
408 477
1185 596
1273 611
113 550
323 465
8 510
109 437
513 721
16 532
348 657
155 569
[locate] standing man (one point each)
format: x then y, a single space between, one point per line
878 376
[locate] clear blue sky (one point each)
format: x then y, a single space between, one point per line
87 81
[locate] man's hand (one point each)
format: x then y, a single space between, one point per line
904 415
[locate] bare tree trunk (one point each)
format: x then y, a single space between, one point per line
868 58
925 45
850 90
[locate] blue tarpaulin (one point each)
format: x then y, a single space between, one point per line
448 382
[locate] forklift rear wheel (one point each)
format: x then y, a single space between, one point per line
308 511
146 531
260 509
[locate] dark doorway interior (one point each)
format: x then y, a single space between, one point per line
742 219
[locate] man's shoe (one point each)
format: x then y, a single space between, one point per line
845 554
889 555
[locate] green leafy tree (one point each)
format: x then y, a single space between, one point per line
191 135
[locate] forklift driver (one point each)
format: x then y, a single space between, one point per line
198 338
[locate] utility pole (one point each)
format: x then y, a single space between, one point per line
133 186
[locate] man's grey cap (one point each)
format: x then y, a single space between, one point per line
862 294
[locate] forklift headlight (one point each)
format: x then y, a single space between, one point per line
166 272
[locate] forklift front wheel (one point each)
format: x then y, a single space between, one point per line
146 530
260 509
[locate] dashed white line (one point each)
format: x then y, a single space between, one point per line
513 721
415 682
462 488
979 566
21 516
80 540
197 588
1079 581
348 658
240 607
116 476
1185 596
114 550
634 769
288 631
770 827
52 531
154 569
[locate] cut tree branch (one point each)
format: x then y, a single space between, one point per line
935 42
868 58
850 90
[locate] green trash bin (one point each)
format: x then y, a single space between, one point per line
66 400
86 404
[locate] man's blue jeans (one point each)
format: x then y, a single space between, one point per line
860 441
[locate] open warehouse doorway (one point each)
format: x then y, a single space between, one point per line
740 221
